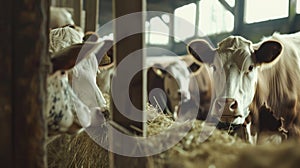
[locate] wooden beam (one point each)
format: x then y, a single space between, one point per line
6 145
128 44
91 17
123 48
28 58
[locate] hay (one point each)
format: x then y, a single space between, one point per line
76 151
219 150
284 155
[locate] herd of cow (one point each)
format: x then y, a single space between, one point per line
244 87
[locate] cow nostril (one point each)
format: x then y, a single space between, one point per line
168 91
233 105
179 93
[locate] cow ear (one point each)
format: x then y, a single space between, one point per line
91 37
105 54
202 51
268 52
68 57
194 67
158 70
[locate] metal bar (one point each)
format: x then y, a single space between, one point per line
292 14
227 6
77 6
91 17
239 16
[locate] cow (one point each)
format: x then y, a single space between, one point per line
171 75
184 83
59 17
65 98
200 88
62 37
249 76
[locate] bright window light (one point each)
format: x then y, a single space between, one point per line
214 18
231 2
298 6
184 22
262 10
157 31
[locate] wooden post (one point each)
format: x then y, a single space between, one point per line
124 47
23 53
91 17
77 6
6 144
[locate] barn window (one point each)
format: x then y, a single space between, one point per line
258 10
298 6
214 18
184 22
157 30
230 2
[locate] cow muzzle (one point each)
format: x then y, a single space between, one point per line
183 95
227 108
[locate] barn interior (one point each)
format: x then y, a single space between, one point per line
168 25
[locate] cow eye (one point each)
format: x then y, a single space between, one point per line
168 91
250 68
213 67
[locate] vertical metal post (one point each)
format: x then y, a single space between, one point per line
91 17
77 6
239 10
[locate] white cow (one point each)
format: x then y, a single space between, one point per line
60 17
248 76
62 37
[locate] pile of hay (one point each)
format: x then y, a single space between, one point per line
219 150
76 151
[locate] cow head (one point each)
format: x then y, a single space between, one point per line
235 65
176 81
62 101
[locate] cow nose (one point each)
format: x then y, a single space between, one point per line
232 105
227 103
228 108
182 95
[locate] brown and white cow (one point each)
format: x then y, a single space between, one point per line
68 106
168 81
171 75
66 110
183 81
248 76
